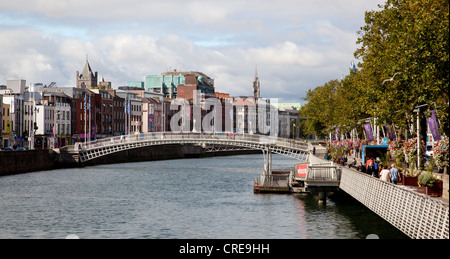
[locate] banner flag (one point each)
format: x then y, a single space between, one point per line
369 133
390 132
433 125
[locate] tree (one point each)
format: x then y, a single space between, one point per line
404 64
408 38
320 109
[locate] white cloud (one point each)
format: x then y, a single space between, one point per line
297 45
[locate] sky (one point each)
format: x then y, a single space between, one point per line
295 45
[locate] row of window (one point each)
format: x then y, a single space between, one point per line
61 129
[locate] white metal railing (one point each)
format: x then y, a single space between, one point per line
323 172
417 215
151 136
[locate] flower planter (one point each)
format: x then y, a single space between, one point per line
409 180
436 189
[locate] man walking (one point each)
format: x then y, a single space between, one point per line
394 174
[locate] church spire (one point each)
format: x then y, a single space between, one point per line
87 78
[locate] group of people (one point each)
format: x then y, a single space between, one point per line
385 173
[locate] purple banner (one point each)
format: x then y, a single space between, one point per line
390 132
433 125
368 129
338 136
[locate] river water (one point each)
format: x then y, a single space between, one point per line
199 198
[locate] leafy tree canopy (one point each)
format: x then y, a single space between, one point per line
407 40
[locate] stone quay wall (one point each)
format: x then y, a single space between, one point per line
27 161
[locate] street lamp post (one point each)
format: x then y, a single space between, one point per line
418 132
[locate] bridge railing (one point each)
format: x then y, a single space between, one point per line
150 136
323 172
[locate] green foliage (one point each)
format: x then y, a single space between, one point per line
320 109
427 179
405 38
411 37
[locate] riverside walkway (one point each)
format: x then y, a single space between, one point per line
417 215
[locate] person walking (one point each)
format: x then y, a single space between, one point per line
395 174
369 167
385 174
352 163
376 165
361 168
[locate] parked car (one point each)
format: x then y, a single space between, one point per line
7 149
429 149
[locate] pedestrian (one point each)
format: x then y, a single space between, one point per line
361 168
369 162
314 150
343 160
385 174
352 163
395 174
370 168
376 165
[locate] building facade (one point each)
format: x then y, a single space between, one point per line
1 121
118 113
6 126
170 83
15 122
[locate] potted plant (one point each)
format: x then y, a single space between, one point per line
433 185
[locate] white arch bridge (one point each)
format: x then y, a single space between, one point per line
268 145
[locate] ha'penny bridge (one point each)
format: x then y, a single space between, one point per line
417 215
